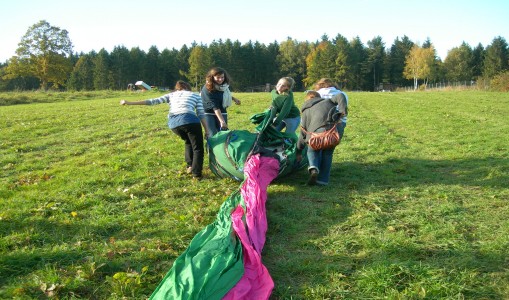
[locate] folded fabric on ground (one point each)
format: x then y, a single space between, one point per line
229 150
223 261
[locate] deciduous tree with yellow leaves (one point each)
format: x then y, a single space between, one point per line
418 64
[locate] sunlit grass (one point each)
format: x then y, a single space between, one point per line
95 202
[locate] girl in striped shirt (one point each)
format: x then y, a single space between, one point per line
184 118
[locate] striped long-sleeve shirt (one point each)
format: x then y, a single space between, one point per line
180 102
185 107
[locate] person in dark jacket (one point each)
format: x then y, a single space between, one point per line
217 98
318 115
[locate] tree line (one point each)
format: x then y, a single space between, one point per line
45 60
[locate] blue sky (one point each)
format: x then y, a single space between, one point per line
94 24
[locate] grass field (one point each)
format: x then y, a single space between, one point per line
95 202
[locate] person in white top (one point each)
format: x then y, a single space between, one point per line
327 89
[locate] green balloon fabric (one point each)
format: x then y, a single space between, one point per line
229 150
211 265
224 259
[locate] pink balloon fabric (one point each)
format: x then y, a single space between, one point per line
250 225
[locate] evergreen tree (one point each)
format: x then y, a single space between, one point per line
102 72
82 76
343 61
137 58
321 62
200 61
375 61
357 72
120 65
396 61
262 62
170 73
478 54
292 60
182 60
235 66
216 50
496 59
458 63
273 73
152 67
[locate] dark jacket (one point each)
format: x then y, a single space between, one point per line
319 114
212 100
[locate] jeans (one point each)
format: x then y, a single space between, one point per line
321 160
213 124
193 153
291 124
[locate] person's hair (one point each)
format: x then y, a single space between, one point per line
325 83
312 94
209 78
181 85
289 82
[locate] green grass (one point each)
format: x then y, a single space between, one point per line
95 202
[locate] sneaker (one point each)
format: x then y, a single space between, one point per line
188 170
313 174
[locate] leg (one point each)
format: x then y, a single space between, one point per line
292 124
188 153
212 125
195 135
325 167
281 126
314 158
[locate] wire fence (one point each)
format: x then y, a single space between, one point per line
448 85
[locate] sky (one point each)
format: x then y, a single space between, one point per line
93 24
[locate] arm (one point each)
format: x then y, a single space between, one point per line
204 124
154 101
341 102
201 114
301 142
124 102
237 101
285 109
219 116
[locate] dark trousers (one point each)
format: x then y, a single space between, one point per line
193 137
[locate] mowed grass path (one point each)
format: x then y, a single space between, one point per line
95 203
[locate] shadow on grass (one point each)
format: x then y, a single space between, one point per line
48 243
300 218
404 172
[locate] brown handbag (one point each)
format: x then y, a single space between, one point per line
323 140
